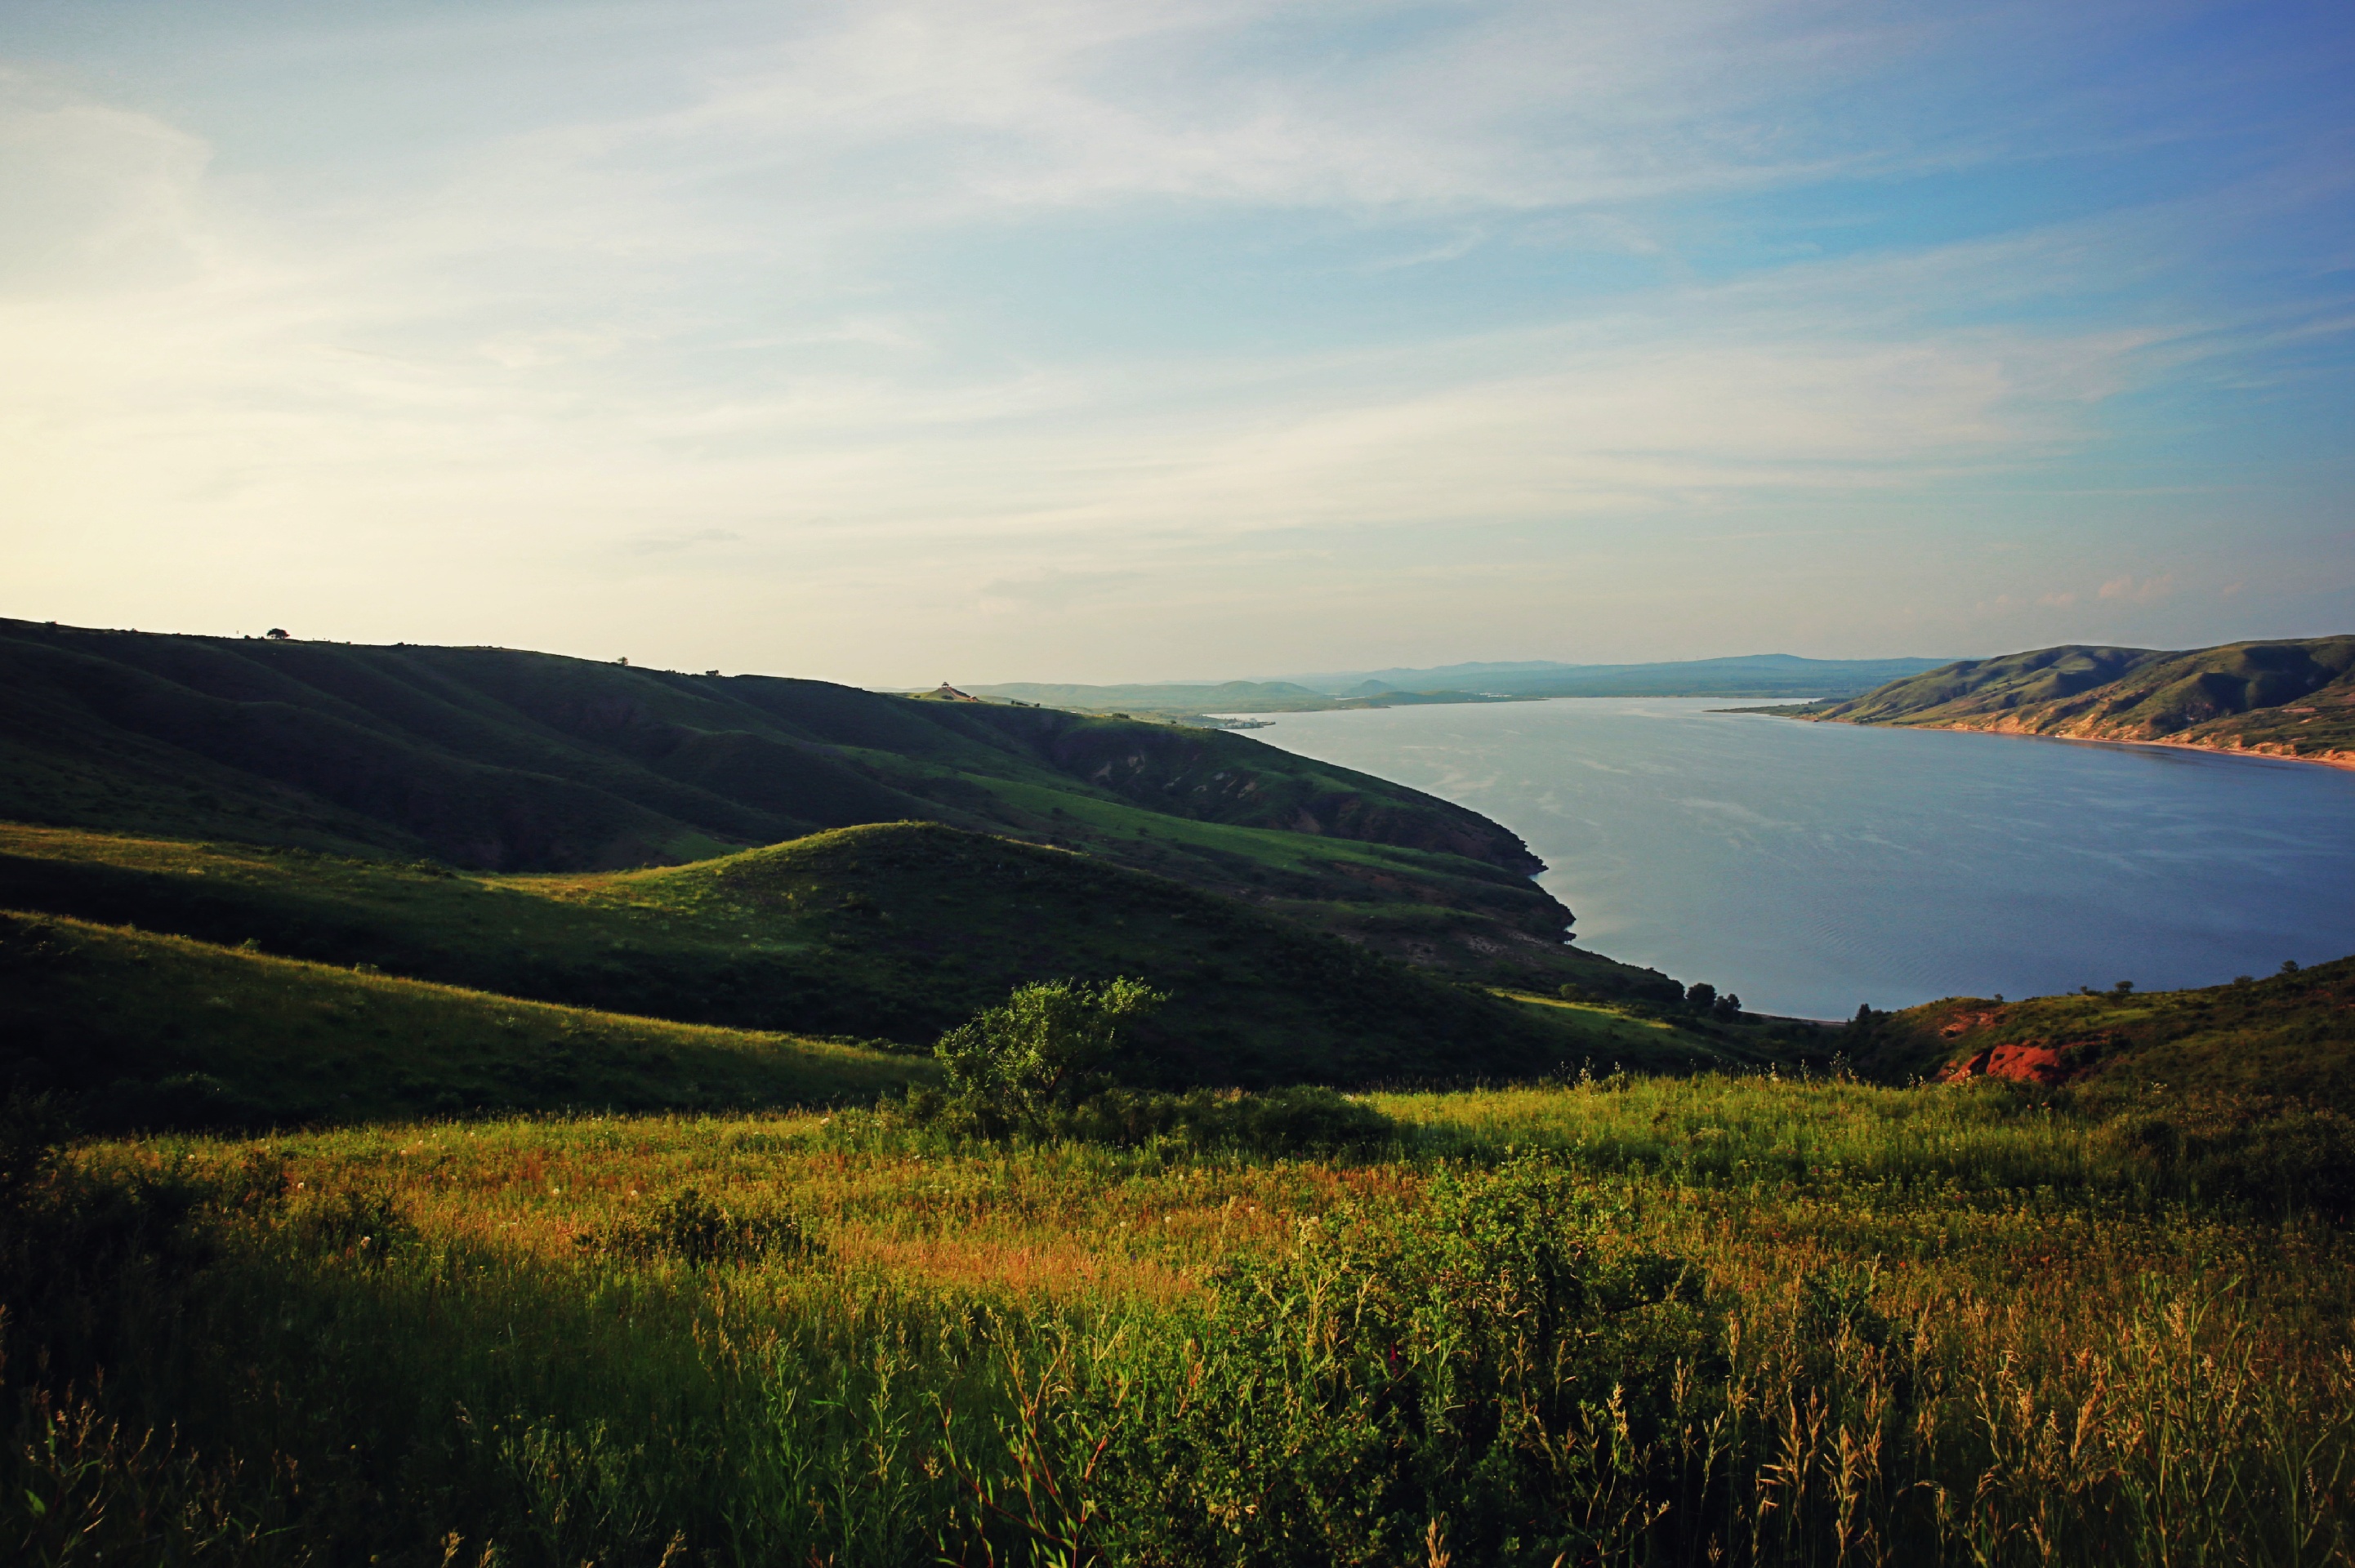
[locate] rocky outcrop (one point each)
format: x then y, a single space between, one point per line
2031 1063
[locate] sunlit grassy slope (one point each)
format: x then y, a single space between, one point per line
892 931
2291 1033
500 759
2292 698
136 1029
1706 1321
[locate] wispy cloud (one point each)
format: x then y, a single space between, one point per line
1469 308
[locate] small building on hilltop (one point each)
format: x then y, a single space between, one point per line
944 693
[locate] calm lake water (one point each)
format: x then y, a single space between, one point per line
1810 867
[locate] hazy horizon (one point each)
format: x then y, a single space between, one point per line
1181 339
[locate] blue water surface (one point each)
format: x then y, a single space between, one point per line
1810 867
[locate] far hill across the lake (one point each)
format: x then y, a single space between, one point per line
1778 675
2294 698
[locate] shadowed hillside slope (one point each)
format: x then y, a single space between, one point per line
132 1029
501 761
2293 699
520 761
892 932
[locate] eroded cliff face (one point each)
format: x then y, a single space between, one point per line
2289 699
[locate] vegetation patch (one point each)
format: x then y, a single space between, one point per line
135 1030
1748 1319
889 933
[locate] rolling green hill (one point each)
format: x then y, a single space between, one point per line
2290 1035
2293 699
139 1029
888 931
494 760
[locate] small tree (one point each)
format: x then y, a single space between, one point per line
1046 1041
1701 997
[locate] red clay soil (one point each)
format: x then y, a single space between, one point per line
2035 1062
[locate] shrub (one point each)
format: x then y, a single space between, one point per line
30 1132
697 1230
1045 1044
367 1223
1497 1361
2281 1159
1300 1120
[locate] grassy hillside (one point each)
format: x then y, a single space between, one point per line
2290 1035
2284 699
138 1030
494 760
1744 1322
893 931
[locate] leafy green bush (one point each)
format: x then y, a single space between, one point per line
1494 1367
1046 1045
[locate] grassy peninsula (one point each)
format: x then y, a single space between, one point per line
2291 699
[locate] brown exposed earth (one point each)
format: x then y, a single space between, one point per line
2031 1063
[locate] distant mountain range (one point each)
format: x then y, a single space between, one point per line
2294 698
1770 675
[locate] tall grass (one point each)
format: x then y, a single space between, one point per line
1652 1322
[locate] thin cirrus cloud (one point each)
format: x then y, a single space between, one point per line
1096 341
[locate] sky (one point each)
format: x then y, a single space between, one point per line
892 343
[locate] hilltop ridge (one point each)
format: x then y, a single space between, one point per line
885 934
496 759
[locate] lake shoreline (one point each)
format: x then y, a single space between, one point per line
2344 760
1809 867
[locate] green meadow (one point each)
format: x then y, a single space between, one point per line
887 934
1716 1319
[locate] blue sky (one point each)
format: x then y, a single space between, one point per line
892 342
